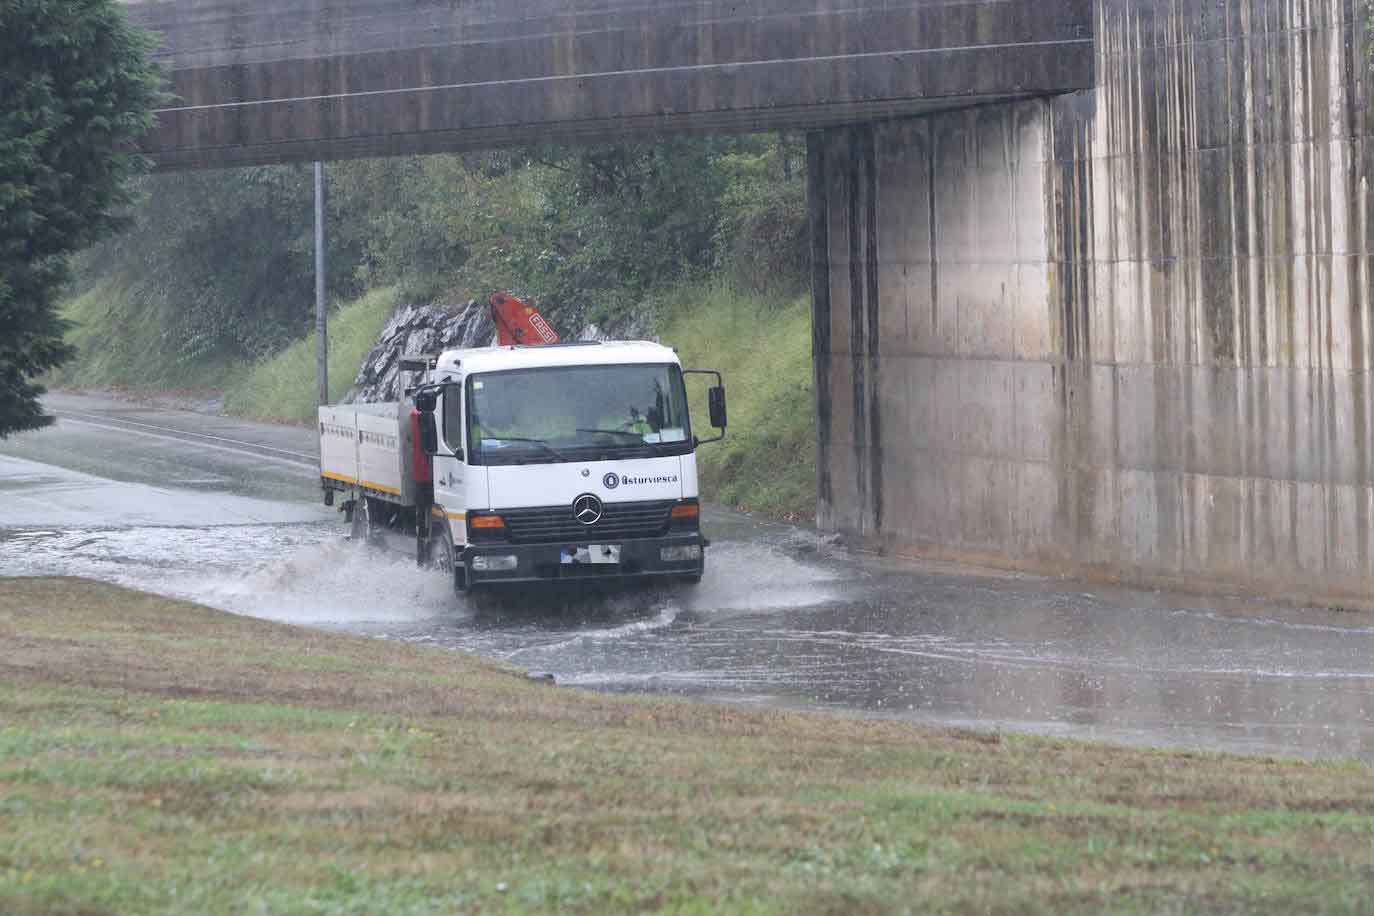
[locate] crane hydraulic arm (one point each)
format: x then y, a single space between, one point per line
518 323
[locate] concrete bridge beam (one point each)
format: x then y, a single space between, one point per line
262 81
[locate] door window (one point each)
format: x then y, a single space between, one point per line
453 418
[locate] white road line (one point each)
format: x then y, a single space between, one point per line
236 446
96 418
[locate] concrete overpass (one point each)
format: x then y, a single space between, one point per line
1093 279
262 81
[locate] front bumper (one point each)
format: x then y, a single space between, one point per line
542 563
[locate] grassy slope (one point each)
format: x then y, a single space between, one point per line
114 351
282 387
768 459
159 756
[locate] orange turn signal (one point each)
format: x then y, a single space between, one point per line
486 521
686 510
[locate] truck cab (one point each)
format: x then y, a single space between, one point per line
570 461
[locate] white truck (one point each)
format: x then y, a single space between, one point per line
524 464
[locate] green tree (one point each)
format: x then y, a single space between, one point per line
218 268
762 241
221 262
620 220
76 88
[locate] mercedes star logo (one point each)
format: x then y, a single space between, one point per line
587 509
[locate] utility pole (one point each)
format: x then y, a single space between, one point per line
321 319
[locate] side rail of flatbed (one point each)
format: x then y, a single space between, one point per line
367 449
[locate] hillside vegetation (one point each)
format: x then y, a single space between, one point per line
767 460
213 286
282 386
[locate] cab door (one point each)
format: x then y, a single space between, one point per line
450 470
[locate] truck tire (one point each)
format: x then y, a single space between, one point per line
367 522
441 557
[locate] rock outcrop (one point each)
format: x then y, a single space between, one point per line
413 330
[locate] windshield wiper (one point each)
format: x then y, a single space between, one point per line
551 450
637 437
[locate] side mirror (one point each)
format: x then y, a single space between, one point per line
715 403
715 398
429 432
426 399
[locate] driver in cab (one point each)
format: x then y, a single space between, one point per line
623 425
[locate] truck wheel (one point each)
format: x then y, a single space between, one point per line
441 557
367 523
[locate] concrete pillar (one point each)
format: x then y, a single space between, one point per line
1124 332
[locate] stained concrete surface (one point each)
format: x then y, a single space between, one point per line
289 80
783 618
1125 332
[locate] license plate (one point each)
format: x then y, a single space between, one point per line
592 553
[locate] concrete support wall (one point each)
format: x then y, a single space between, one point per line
1127 331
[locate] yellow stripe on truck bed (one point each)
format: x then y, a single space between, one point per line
365 483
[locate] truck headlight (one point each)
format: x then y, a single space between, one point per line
495 563
680 554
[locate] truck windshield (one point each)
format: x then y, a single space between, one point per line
577 413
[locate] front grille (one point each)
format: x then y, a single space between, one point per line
556 525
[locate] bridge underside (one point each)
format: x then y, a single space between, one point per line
265 81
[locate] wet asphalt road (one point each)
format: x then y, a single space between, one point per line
226 512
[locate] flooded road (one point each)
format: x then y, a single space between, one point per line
225 512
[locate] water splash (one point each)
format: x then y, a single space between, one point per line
665 618
334 583
759 577
151 557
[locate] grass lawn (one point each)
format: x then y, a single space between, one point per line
160 756
767 462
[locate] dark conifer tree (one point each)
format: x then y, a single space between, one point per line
76 90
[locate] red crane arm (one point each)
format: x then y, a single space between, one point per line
518 323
